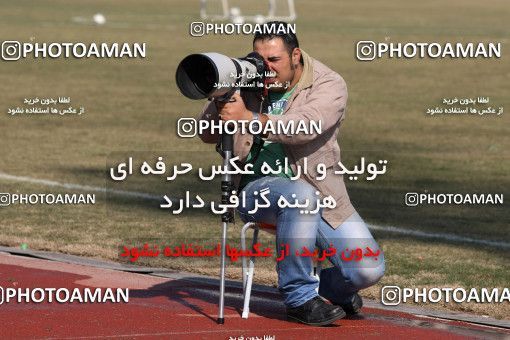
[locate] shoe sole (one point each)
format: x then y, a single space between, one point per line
322 323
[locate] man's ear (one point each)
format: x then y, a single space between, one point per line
296 56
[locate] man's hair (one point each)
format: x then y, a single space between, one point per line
290 40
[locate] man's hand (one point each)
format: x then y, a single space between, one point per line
234 110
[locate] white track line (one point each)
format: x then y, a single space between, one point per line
442 236
79 187
395 230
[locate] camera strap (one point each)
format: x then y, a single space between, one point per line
258 144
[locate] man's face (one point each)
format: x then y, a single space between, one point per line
278 60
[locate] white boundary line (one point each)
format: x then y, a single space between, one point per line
448 237
78 187
395 230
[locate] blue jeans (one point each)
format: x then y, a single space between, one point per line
348 274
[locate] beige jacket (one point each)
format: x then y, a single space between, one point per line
320 95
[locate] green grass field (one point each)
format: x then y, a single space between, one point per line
132 107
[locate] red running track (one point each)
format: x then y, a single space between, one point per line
181 308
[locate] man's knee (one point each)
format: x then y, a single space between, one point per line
365 277
301 188
302 192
